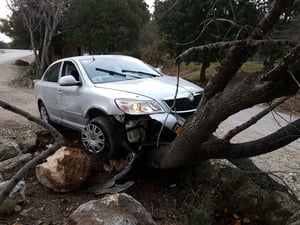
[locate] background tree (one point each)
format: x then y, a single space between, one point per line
184 24
287 28
41 18
151 45
106 26
4 45
14 27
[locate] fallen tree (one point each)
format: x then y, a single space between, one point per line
196 142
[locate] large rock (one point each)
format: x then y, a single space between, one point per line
278 207
117 209
8 149
27 140
21 62
10 167
247 198
65 170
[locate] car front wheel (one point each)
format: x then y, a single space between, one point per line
97 135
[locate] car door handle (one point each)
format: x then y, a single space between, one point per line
60 92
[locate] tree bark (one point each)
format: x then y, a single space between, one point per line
205 65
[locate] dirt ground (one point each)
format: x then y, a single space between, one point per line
165 194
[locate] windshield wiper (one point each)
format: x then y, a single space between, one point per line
111 72
140 72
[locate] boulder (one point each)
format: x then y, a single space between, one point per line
117 209
278 207
27 140
8 149
21 62
66 170
247 198
10 167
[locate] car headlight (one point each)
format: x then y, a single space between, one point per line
138 107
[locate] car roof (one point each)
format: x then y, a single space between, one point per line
96 56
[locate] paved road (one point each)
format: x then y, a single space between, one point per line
8 55
20 97
269 124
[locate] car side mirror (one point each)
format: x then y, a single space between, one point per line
68 80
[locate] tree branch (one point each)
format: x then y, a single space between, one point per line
224 44
278 139
59 141
238 55
282 68
254 119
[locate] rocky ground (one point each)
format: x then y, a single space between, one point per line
181 196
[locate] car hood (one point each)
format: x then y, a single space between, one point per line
163 87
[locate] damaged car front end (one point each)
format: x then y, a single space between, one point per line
161 121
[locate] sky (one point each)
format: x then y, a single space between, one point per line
149 2
4 11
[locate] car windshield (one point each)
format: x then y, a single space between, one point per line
105 69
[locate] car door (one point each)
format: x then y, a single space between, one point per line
49 89
69 97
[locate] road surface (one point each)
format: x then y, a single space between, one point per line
9 55
20 97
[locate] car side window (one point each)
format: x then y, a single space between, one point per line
52 73
70 69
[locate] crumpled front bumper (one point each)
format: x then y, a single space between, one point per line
171 121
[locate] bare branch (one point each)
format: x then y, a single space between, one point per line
282 68
59 141
260 146
238 55
38 121
245 43
254 119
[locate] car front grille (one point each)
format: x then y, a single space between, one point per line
184 105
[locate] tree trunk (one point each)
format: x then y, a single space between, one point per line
205 65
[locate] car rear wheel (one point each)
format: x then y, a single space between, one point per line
44 113
97 135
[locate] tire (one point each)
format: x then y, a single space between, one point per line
97 137
44 113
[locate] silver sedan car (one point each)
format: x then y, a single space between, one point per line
116 102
